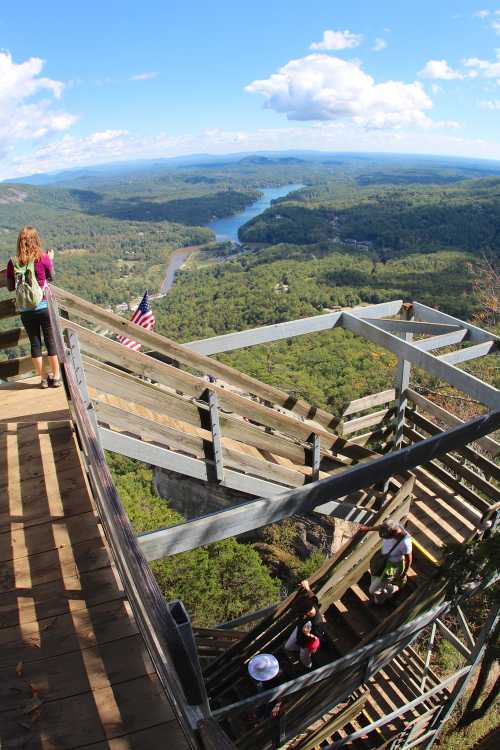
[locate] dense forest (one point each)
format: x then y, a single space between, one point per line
393 219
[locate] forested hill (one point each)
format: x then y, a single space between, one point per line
395 219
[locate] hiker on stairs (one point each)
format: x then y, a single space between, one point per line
389 567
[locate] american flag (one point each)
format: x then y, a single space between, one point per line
144 317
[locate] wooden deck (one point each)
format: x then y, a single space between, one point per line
74 672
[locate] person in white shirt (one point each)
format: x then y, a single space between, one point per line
396 558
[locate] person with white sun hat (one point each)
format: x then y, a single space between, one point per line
265 672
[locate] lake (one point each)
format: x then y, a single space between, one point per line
227 229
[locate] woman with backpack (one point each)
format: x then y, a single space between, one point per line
27 276
389 567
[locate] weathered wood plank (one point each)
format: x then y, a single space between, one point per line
182 381
200 362
488 444
367 420
278 331
470 352
368 402
476 334
13 337
254 514
7 308
439 342
3 277
107 380
414 326
10 368
465 382
147 429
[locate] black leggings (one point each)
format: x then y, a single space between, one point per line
36 322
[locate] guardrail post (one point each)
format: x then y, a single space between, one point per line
314 456
213 404
75 357
402 384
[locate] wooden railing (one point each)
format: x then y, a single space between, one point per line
166 629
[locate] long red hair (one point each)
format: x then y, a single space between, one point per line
29 246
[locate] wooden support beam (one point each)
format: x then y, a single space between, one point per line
401 386
452 638
492 447
262 512
471 352
278 331
405 325
466 629
200 362
438 342
369 402
428 314
367 420
315 457
465 382
216 435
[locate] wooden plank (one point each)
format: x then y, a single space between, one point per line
254 514
470 352
489 467
10 368
59 677
476 334
182 354
3 277
52 599
107 380
439 342
465 382
13 337
149 430
48 536
52 637
166 734
487 443
278 331
94 716
193 386
403 326
367 420
368 402
7 308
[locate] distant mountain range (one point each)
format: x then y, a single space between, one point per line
262 158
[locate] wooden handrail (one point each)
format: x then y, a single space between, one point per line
173 660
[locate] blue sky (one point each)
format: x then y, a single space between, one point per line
105 81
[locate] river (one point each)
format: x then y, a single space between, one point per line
226 229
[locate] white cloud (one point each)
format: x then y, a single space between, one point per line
495 25
335 40
491 104
27 102
435 88
320 87
482 13
439 70
379 45
484 68
144 76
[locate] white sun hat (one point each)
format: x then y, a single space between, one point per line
263 667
